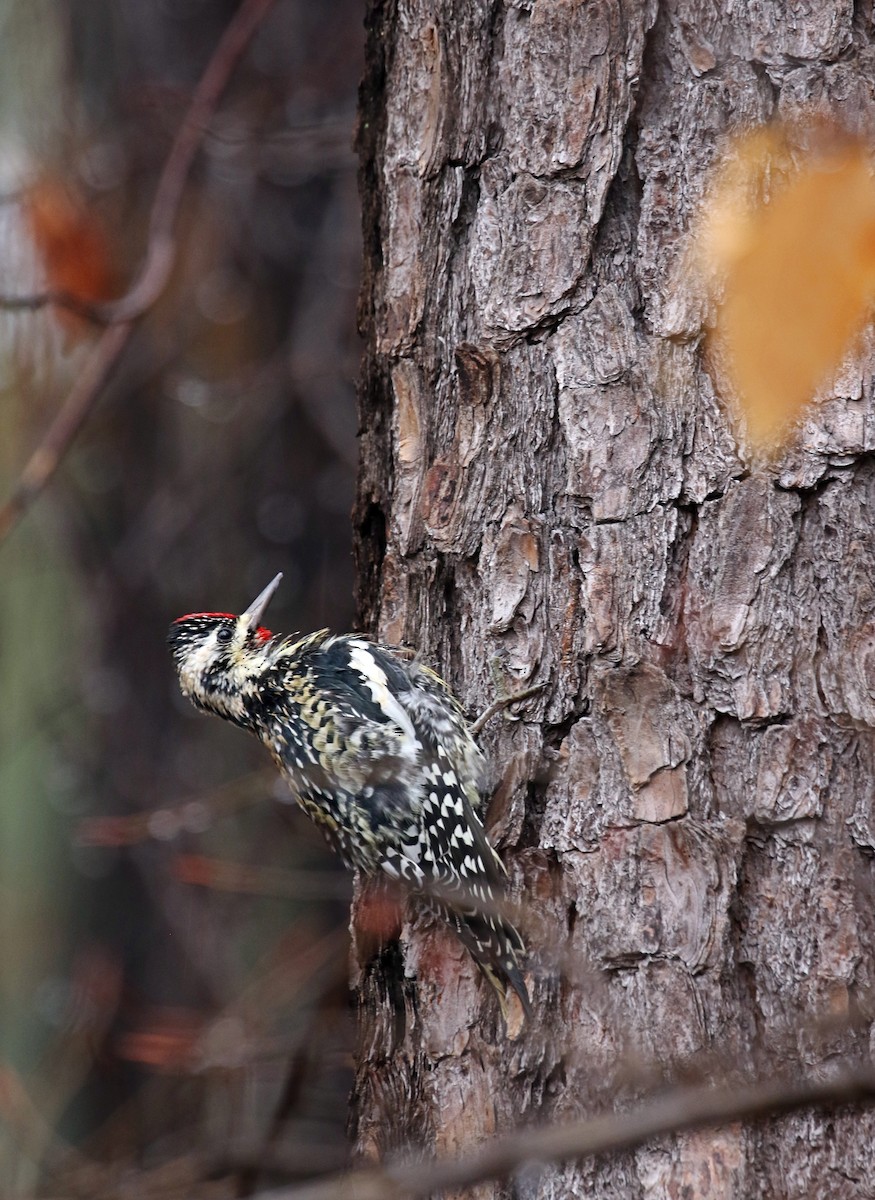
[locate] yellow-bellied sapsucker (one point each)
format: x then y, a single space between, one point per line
376 750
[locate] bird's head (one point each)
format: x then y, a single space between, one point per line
220 658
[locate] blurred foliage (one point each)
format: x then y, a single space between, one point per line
149 1014
788 235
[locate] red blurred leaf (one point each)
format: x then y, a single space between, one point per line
71 242
168 1044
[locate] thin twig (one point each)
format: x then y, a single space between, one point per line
220 875
98 314
80 400
504 702
685 1109
169 821
122 315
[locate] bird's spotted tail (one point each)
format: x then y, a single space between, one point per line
468 881
494 944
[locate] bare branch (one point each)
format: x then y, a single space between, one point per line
122 315
96 313
502 703
688 1108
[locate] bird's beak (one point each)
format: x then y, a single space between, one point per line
257 608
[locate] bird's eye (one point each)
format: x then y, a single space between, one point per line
224 635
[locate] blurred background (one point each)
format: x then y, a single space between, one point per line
173 996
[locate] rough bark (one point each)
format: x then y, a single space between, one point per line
552 492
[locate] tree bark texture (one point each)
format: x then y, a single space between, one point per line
551 492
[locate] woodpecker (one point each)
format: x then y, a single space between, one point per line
377 752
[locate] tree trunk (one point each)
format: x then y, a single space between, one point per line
551 493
